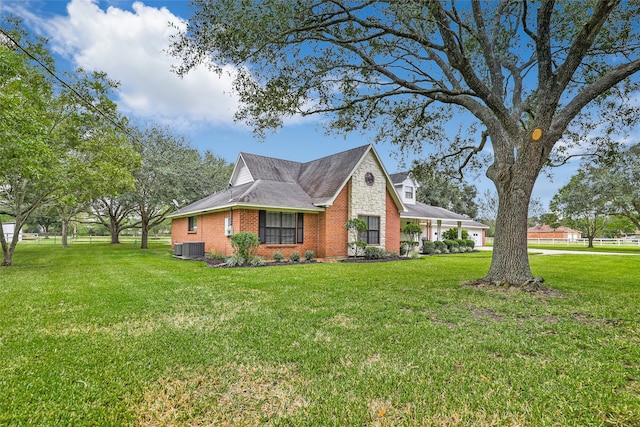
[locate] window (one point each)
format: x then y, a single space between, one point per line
193 224
372 234
408 193
280 227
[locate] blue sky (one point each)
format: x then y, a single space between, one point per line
128 40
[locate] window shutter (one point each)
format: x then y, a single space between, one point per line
262 226
300 228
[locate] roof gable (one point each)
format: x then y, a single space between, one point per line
267 181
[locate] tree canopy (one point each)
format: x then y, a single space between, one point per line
536 79
55 144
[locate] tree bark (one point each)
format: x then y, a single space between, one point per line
510 260
63 236
514 178
115 232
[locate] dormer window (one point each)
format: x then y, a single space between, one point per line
408 193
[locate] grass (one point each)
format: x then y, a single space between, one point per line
632 249
102 335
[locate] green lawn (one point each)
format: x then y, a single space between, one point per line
101 335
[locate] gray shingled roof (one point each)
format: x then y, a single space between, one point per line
423 211
285 184
398 178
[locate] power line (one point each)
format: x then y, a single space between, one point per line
68 86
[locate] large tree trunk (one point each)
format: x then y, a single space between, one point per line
65 231
115 232
510 261
514 183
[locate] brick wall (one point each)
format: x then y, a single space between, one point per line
393 225
210 230
332 235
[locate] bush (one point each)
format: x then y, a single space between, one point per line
462 243
309 255
257 261
440 246
428 247
373 252
415 255
235 261
277 256
452 234
471 243
404 247
450 244
245 245
295 256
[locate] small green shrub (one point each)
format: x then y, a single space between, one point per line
277 256
309 255
452 234
235 261
245 244
415 255
471 243
404 247
374 252
257 261
214 255
440 246
450 244
295 256
428 247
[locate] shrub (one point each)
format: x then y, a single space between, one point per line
235 261
440 246
450 244
462 243
454 250
452 234
373 252
295 256
214 255
354 227
309 255
471 243
277 256
404 247
415 255
412 229
428 247
257 261
245 245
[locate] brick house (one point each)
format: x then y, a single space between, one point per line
296 206
545 231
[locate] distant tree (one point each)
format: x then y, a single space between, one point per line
584 203
551 219
487 203
530 74
172 171
115 213
618 226
439 189
625 177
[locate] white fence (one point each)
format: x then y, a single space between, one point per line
585 242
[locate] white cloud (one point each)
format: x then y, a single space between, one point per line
131 47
